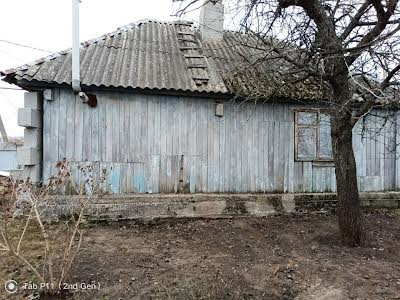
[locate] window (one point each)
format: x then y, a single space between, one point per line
313 135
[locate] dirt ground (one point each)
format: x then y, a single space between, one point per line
279 257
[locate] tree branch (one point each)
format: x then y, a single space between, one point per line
385 83
397 21
355 20
382 22
371 100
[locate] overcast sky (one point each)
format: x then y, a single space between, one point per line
46 24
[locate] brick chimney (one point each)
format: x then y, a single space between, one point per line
212 20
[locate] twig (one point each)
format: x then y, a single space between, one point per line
33 269
46 241
23 232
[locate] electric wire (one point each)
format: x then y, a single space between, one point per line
25 46
9 88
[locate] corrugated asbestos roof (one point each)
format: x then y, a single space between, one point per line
164 56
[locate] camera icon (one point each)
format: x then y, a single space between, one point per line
11 286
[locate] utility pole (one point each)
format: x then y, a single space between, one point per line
76 81
3 131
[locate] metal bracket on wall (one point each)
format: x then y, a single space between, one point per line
48 95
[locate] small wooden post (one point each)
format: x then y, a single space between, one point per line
3 131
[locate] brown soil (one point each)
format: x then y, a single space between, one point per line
280 257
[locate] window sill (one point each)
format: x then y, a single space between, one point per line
319 162
323 163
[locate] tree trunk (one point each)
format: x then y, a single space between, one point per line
348 207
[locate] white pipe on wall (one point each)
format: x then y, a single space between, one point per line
76 81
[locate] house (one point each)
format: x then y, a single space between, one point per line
162 117
8 157
8 151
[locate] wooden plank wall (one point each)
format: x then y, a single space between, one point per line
374 143
168 144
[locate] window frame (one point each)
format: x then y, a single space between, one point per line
317 127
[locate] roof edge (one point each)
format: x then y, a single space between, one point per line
42 85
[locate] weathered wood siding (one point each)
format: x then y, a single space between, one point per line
148 143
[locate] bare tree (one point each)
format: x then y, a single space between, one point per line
348 50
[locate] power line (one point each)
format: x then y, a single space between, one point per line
25 46
8 88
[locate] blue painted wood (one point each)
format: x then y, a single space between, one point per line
115 178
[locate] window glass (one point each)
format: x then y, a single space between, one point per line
307 118
325 141
306 142
313 134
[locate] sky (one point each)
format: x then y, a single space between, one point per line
46 25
